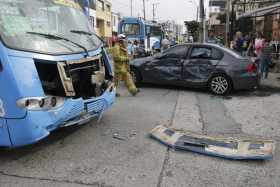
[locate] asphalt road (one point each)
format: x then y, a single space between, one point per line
118 151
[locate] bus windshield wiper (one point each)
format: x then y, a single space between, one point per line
56 37
87 33
82 32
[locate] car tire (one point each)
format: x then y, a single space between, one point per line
135 76
220 84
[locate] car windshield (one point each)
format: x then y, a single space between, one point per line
29 25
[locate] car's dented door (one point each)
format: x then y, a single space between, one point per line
168 68
198 68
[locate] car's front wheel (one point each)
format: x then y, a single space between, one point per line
220 84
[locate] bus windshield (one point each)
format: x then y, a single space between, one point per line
26 24
155 30
131 29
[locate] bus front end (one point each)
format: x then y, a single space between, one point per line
54 71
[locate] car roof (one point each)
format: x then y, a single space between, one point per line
221 47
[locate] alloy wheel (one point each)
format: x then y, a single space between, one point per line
219 85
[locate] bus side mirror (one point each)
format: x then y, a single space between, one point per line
1 66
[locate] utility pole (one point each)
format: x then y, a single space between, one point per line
144 9
131 13
227 22
154 11
202 21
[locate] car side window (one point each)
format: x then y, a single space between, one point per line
206 53
177 52
201 53
217 54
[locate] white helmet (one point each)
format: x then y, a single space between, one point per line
121 37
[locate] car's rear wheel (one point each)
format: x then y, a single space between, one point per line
135 76
220 84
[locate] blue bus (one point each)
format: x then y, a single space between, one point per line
148 34
54 71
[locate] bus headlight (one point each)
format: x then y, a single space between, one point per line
40 103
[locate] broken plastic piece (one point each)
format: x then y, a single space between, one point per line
230 148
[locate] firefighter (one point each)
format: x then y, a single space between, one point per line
120 57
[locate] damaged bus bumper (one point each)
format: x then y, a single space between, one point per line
229 148
38 124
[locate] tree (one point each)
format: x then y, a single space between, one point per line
193 27
222 18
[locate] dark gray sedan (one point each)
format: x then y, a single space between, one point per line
197 65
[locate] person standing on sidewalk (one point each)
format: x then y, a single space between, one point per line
259 44
239 43
265 59
119 54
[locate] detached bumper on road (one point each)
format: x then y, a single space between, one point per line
230 148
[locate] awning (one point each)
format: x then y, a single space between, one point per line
269 10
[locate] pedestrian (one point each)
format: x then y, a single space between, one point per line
165 43
120 57
239 43
276 47
135 48
250 50
130 49
259 44
265 59
211 38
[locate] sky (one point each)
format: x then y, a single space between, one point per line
178 10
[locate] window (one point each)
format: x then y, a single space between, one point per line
131 29
92 4
114 20
206 53
100 5
108 24
216 54
108 8
154 30
178 51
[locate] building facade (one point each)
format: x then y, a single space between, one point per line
268 24
116 17
103 20
216 9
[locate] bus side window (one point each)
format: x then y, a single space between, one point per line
148 30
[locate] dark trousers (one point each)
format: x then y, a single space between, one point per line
264 68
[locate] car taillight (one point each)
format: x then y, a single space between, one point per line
252 68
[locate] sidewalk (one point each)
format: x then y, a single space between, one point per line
245 115
273 81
